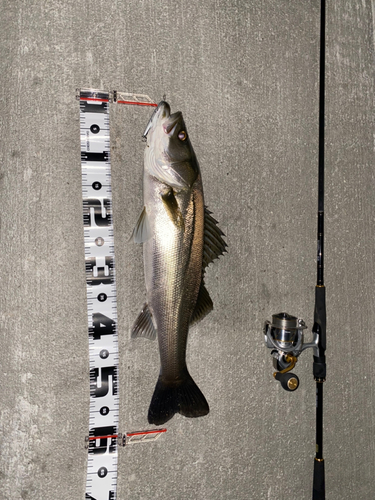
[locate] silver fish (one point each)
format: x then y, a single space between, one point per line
180 239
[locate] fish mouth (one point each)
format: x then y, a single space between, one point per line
162 111
170 126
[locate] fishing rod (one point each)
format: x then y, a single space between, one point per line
285 334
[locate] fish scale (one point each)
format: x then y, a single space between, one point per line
176 263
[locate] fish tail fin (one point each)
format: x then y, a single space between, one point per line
191 401
163 404
185 398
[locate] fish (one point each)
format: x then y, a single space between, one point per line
180 239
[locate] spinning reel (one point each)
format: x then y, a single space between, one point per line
285 336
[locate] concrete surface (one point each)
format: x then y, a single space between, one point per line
245 75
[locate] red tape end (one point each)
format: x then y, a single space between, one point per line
138 103
92 438
93 99
140 433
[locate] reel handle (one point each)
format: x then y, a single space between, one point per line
288 381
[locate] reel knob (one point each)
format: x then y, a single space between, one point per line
288 381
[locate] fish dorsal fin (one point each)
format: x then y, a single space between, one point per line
142 231
203 305
143 325
214 245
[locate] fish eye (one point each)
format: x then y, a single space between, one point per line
182 135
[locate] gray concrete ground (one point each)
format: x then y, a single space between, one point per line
245 75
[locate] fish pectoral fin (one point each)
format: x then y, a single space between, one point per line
203 305
172 209
214 245
142 230
143 325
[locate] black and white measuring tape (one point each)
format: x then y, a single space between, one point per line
104 437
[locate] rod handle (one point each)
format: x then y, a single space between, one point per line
319 486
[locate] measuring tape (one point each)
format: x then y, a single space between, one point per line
104 437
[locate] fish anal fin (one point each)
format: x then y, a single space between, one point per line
142 230
143 325
203 305
214 244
